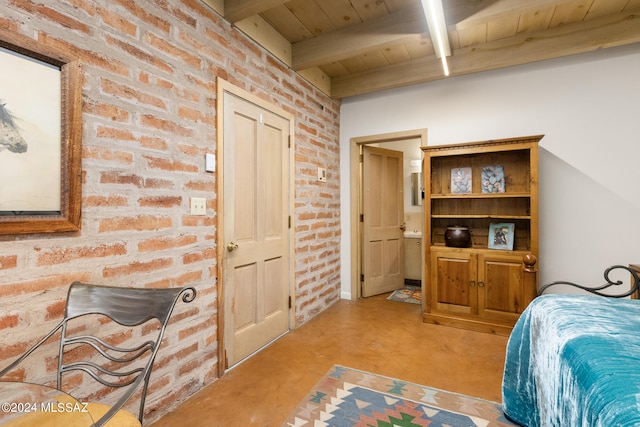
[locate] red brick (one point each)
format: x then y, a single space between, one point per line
110 112
9 25
130 93
138 223
113 177
99 153
118 22
189 366
165 125
140 12
168 47
9 321
66 254
41 284
7 262
163 243
113 201
199 256
54 16
142 55
56 310
136 267
113 133
188 278
161 201
87 56
158 183
170 165
153 143
200 185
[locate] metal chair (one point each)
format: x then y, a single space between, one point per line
128 368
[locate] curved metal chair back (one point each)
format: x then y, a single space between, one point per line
128 307
98 357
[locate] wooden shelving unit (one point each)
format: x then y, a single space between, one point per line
477 287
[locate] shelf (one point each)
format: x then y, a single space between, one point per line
481 216
478 248
478 287
481 196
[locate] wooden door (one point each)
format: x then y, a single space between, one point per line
256 260
500 286
383 221
453 282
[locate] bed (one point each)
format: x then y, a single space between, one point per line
574 360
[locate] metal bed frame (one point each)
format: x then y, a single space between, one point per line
597 290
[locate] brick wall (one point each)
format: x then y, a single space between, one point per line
149 95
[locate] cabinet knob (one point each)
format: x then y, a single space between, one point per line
472 283
480 284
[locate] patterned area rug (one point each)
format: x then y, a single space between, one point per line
346 397
410 294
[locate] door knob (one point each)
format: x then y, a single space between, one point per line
232 246
403 227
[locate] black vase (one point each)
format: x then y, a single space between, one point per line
457 236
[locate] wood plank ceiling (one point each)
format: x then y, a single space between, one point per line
363 46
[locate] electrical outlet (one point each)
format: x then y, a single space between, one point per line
198 206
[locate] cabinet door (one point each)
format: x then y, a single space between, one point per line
412 259
453 280
500 286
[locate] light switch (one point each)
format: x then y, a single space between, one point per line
322 174
210 162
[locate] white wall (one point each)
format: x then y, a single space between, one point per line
588 108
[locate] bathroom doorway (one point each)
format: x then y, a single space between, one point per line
382 220
407 141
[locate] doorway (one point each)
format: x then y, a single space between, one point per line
382 220
419 137
255 236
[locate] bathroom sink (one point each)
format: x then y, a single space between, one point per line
413 234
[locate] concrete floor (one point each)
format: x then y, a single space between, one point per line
374 335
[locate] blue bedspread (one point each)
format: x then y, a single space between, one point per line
574 360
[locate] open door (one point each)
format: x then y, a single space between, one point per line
382 221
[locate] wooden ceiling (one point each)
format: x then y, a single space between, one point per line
363 46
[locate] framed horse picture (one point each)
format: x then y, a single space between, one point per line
40 137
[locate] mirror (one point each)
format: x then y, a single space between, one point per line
416 188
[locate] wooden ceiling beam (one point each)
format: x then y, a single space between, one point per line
502 8
399 27
237 10
608 31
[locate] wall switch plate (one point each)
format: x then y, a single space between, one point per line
198 206
210 162
322 174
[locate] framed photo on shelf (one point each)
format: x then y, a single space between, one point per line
493 179
501 236
461 180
